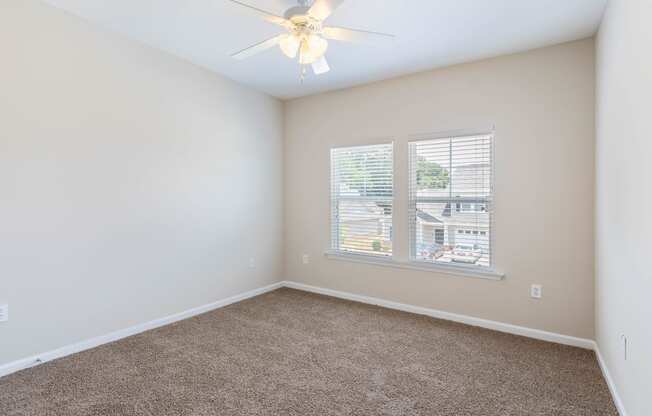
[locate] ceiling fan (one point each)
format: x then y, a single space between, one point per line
306 37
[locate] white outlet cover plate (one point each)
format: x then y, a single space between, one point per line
536 291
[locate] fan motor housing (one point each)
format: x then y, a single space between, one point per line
296 11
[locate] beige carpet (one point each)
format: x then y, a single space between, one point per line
294 353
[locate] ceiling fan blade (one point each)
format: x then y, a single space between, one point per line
321 9
320 66
354 35
258 48
270 17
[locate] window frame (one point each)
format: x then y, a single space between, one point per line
335 224
491 203
401 186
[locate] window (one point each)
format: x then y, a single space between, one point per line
362 199
440 236
452 172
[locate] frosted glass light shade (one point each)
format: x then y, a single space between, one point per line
290 45
313 48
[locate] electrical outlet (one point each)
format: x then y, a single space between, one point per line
306 259
4 313
252 263
536 291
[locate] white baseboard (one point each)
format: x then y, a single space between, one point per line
24 363
610 382
469 320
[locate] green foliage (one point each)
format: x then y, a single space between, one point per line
362 173
376 245
431 175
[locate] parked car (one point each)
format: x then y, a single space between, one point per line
430 251
466 253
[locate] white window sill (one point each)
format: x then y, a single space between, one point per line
414 265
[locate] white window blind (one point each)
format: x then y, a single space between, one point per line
451 201
362 194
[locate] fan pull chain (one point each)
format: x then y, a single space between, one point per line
302 66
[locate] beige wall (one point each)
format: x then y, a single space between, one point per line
624 199
542 104
127 178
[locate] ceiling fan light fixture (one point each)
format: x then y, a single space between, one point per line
290 45
305 36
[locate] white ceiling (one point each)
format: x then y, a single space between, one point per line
430 34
